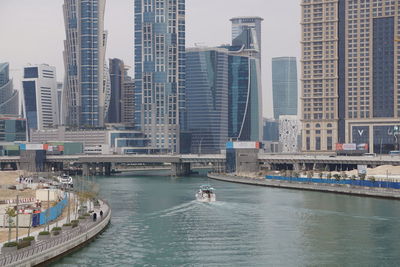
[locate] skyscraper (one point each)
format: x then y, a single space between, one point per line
116 75
244 98
8 96
160 71
40 101
84 60
350 83
207 98
247 31
245 88
128 99
284 86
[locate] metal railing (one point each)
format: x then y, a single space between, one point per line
41 246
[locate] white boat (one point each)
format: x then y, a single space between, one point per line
206 194
65 180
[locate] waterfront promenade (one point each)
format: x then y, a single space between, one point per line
329 188
47 250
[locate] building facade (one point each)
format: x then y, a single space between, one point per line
116 76
8 96
128 99
284 86
271 130
160 71
207 99
40 97
244 98
350 75
12 129
289 133
85 82
246 31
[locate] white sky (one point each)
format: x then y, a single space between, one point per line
32 31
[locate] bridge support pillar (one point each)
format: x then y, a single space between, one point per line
180 169
85 169
107 169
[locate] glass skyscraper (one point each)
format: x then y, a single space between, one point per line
85 82
207 99
284 86
8 96
245 120
160 71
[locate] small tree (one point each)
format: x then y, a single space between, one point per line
329 175
353 177
372 179
344 175
362 176
321 174
337 176
10 214
296 175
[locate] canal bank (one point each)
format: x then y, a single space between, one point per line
319 187
69 240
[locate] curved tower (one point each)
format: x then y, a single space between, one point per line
8 96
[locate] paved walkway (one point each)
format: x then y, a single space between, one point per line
66 235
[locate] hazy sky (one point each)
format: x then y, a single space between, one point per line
32 31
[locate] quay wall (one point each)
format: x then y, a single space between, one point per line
330 188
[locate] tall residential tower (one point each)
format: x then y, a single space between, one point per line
160 71
350 74
85 82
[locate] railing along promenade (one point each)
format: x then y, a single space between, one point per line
27 256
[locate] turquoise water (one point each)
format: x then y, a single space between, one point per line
157 222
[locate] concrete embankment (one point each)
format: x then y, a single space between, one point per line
330 188
45 252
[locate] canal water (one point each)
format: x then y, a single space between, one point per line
157 222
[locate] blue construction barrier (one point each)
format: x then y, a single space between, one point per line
50 214
380 184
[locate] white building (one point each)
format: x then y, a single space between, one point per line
40 101
289 131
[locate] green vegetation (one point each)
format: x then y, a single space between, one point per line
329 175
353 177
55 229
44 233
67 224
81 217
10 244
372 179
28 238
337 176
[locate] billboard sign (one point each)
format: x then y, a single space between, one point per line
243 145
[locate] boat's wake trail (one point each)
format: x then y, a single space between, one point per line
175 210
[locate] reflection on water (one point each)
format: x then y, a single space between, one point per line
157 222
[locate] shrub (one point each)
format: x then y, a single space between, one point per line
372 179
362 176
353 177
296 175
56 229
23 244
329 175
10 244
86 215
28 238
67 224
81 217
44 233
74 221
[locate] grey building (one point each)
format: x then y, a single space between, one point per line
271 130
207 99
128 99
8 96
85 82
284 86
160 71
